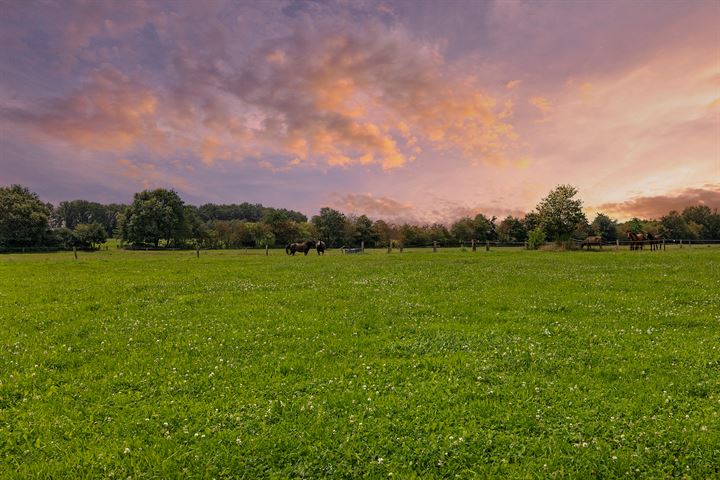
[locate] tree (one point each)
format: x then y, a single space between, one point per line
384 232
463 230
531 220
363 229
560 214
23 217
708 223
512 229
675 226
330 225
90 235
536 238
606 227
484 228
153 216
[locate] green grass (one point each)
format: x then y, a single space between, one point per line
507 364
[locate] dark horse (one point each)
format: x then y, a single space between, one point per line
637 240
303 247
320 247
655 241
592 240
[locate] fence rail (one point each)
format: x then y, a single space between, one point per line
470 245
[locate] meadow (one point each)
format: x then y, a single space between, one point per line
507 364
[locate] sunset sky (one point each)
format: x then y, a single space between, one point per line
406 110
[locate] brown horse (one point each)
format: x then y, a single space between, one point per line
320 247
655 241
637 240
303 247
592 240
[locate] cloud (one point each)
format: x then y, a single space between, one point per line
513 84
368 204
322 95
542 104
148 175
109 112
658 205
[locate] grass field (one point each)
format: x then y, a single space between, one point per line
507 364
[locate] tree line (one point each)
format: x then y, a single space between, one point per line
160 218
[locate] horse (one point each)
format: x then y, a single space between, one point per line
320 246
592 240
655 241
637 240
303 247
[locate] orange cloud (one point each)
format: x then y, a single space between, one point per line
541 104
513 84
357 97
109 113
658 205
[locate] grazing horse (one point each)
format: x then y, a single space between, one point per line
637 240
592 240
320 247
303 247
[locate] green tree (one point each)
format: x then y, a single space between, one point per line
536 238
153 216
330 225
484 228
23 217
560 213
512 229
383 232
606 227
90 235
463 230
675 226
708 223
363 230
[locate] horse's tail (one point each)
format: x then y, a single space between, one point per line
287 249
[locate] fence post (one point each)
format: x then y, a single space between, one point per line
487 245
197 251
267 250
474 248
663 245
362 246
617 244
681 243
434 246
74 252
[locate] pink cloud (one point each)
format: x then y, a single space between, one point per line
368 204
655 206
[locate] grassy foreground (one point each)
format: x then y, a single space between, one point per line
508 364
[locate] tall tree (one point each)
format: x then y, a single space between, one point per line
606 227
560 213
23 217
484 228
153 216
330 224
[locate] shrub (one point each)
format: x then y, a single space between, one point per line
536 238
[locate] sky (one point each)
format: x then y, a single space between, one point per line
412 110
